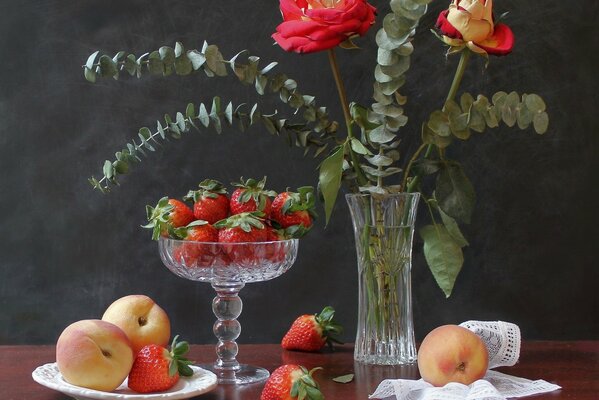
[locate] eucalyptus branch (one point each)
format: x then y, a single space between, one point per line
381 123
167 61
298 134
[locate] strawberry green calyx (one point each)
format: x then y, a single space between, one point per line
295 232
178 362
305 387
302 200
158 218
208 188
330 328
246 221
181 232
254 189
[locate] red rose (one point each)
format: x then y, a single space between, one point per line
316 25
472 21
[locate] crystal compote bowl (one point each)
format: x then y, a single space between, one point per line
228 267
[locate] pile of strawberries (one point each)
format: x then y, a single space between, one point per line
251 214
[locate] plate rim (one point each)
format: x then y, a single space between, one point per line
78 392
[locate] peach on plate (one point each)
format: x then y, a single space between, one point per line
142 320
94 354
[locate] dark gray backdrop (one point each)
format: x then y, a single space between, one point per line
67 252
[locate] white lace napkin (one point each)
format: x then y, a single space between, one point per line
503 342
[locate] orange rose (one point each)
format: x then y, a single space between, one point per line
471 21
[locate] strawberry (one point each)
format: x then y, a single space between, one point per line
244 227
274 235
168 214
239 229
156 369
311 332
210 201
289 382
251 196
196 254
294 209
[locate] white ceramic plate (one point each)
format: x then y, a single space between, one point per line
201 381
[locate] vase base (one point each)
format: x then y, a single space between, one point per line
243 375
373 359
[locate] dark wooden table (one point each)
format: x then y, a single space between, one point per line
572 365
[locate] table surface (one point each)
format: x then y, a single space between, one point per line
572 365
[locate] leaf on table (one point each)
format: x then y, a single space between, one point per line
344 378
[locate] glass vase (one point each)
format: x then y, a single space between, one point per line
384 229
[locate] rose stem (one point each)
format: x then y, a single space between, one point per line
362 180
455 85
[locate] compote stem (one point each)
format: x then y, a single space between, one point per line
227 307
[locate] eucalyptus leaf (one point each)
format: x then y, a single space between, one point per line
541 123
359 148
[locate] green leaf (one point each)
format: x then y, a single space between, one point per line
203 116
427 167
443 256
455 193
344 378
430 137
108 170
155 65
329 179
90 75
183 65
130 64
167 55
439 123
197 59
214 60
107 66
381 135
535 103
359 148
453 229
89 72
541 123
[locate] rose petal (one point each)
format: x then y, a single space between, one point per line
446 28
308 29
500 43
290 10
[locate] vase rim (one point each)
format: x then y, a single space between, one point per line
367 195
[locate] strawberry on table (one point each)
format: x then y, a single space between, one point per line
291 382
294 208
168 214
312 332
251 196
156 369
210 201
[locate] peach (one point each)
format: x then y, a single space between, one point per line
94 354
451 353
141 319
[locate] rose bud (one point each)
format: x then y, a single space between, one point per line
472 21
315 25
